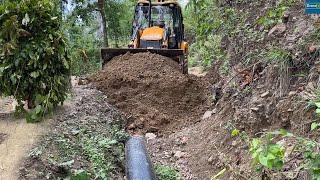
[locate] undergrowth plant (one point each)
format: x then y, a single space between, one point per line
34 62
211 27
278 55
316 125
268 153
315 103
274 15
283 59
95 147
166 173
104 153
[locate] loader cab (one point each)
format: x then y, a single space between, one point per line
160 28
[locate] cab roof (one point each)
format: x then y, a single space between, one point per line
160 2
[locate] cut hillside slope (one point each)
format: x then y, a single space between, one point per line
273 76
152 90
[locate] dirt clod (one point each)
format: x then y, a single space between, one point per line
152 89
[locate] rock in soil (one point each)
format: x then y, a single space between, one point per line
150 136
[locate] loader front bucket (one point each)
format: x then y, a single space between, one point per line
108 53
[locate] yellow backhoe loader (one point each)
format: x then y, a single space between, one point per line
157 28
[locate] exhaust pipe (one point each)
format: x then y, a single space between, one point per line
138 163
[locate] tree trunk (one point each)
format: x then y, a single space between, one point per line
101 7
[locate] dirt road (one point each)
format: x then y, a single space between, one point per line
16 139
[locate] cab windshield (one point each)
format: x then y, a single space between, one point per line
160 15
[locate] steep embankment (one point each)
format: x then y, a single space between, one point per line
273 62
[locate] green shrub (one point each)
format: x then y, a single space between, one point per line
166 173
269 154
34 65
266 153
274 14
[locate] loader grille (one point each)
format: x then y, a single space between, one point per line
150 44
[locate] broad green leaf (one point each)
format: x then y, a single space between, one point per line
314 126
263 160
235 132
255 143
1 71
65 63
270 156
80 175
38 109
278 164
284 132
275 149
26 20
34 74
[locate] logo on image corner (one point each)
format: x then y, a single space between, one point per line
312 6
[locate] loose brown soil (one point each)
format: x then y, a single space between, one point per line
152 90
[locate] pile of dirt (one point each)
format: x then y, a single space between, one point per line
152 90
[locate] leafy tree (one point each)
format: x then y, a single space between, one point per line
115 16
83 25
34 63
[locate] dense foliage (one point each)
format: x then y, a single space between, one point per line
34 64
222 28
84 23
210 30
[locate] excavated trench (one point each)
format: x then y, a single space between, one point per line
153 92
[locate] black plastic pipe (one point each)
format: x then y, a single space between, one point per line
138 163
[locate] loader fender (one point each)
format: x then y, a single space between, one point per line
185 47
